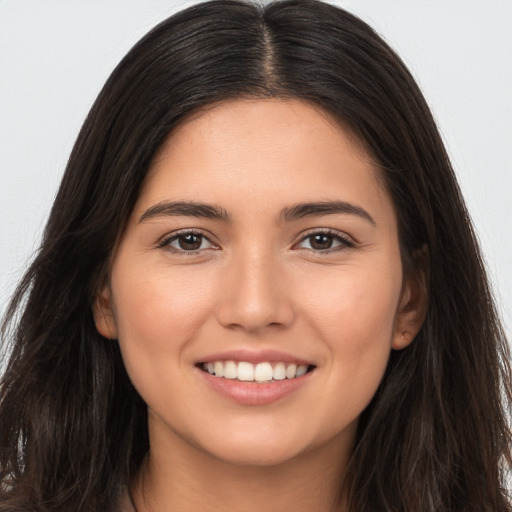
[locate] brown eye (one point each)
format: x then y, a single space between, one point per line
190 242
187 242
321 242
324 241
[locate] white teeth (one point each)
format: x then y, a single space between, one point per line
291 371
245 371
261 372
219 369
301 370
279 371
230 370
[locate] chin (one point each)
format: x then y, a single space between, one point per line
259 447
255 456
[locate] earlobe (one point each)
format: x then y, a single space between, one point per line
103 314
403 341
412 310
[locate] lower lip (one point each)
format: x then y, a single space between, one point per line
255 393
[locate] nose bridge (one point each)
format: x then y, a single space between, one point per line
254 291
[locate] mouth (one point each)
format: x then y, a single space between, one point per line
262 372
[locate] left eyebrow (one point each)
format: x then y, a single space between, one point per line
301 210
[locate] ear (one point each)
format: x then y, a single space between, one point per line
412 309
103 314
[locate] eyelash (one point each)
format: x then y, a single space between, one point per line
165 243
345 242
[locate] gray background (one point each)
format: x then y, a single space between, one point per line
56 54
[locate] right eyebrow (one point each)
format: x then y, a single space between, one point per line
185 208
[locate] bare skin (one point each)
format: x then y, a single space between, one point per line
217 485
263 234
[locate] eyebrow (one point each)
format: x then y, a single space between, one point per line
295 212
301 210
185 209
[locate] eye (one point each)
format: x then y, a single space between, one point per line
187 242
324 241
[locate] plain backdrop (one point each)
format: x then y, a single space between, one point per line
55 56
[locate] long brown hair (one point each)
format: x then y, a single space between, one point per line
73 430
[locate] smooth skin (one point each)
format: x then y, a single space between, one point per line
255 275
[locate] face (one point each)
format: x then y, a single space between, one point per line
263 245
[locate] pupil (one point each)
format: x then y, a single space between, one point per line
189 242
321 242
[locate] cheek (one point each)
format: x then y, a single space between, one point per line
354 304
158 311
355 319
159 314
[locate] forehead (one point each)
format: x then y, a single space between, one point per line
271 148
242 118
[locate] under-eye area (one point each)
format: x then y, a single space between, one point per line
258 373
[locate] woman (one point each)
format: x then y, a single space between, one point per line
257 288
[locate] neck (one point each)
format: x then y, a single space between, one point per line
187 479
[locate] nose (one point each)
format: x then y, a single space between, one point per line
255 294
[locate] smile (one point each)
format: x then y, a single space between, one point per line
262 372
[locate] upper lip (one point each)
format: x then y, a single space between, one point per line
255 357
